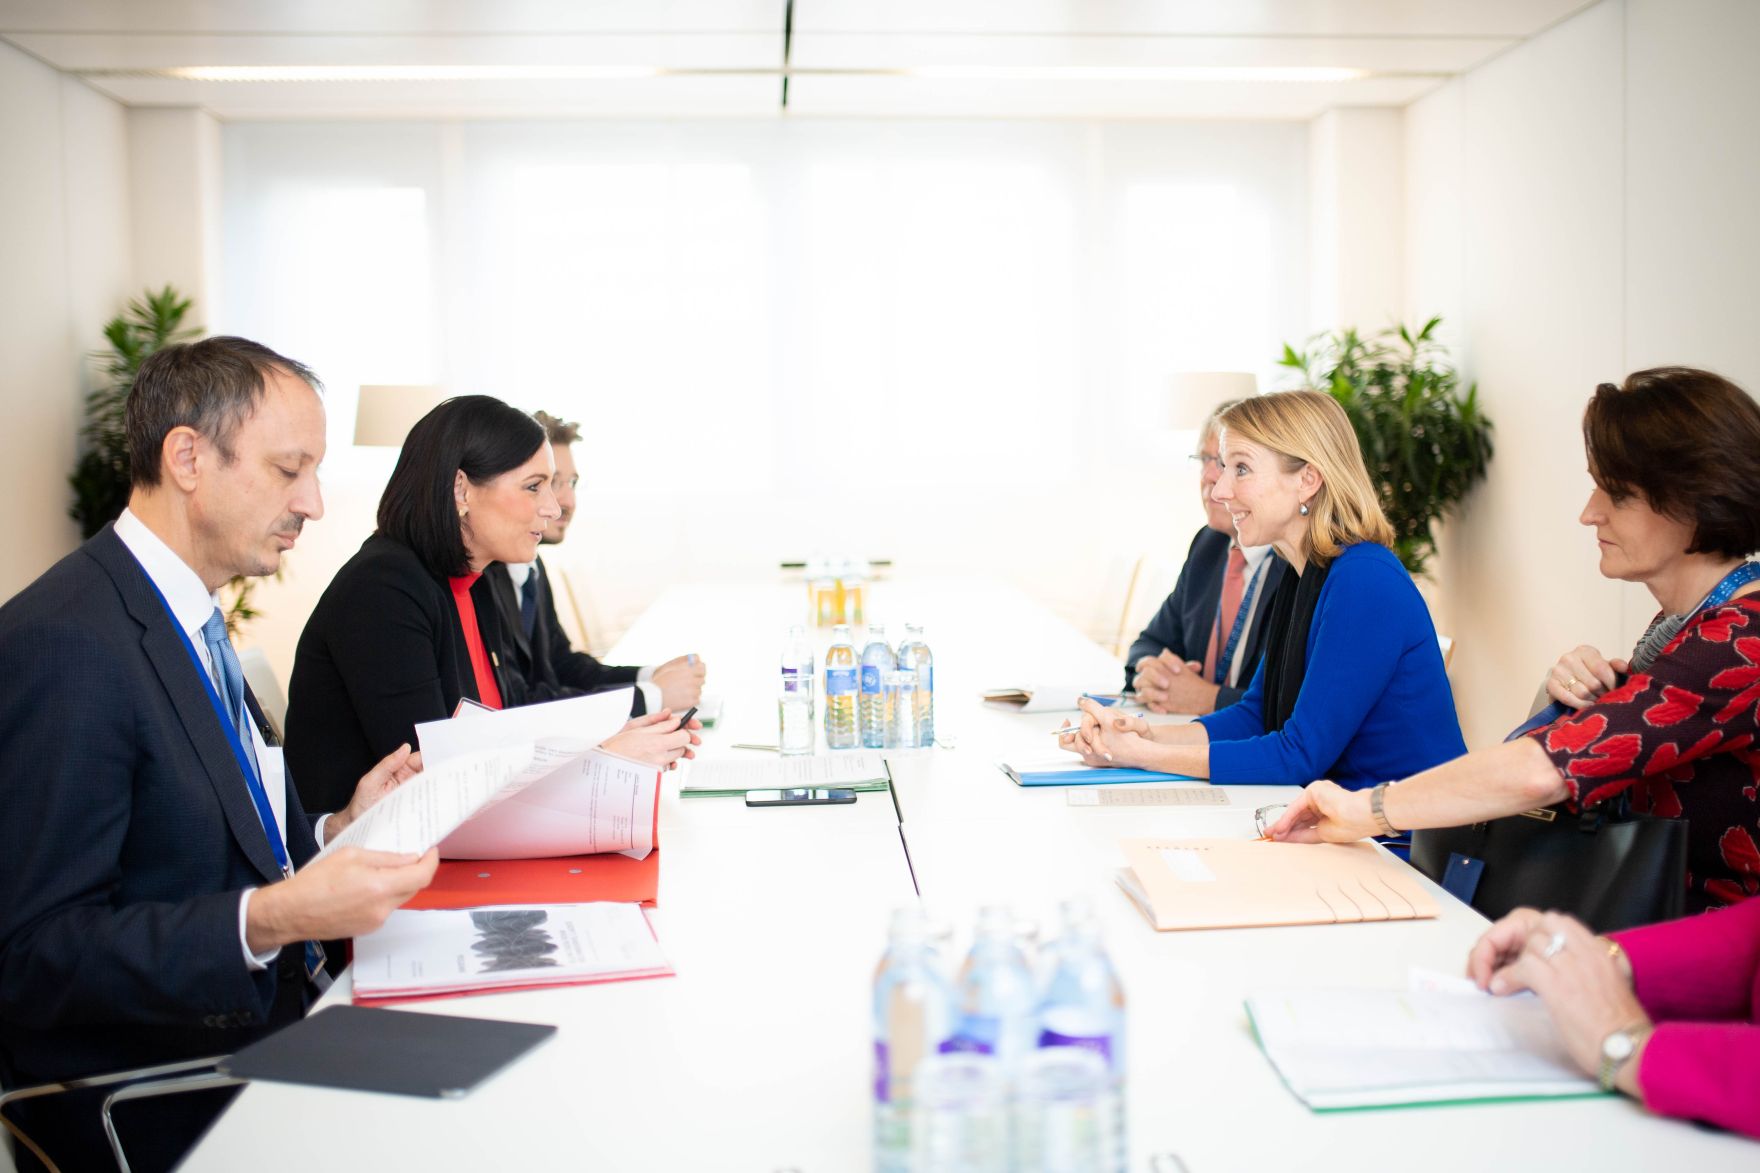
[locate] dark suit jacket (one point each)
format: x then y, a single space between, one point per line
128 837
382 653
1185 620
547 665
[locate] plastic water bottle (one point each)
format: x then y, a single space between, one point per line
795 704
960 1121
1059 1116
840 691
1082 1005
995 999
911 998
877 661
901 709
913 654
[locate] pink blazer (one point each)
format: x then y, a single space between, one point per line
1699 980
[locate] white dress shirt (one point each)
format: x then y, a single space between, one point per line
191 604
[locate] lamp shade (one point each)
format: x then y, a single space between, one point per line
1193 395
386 413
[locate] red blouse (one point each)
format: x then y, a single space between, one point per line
1682 736
487 692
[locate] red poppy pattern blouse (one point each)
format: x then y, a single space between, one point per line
1681 737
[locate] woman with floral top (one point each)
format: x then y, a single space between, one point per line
1675 457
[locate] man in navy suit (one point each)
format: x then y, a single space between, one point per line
536 651
155 899
1200 651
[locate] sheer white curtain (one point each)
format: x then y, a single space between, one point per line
937 342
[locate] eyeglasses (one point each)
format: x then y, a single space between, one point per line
1266 817
1204 460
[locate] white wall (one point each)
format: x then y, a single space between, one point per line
174 204
64 235
1356 203
1583 207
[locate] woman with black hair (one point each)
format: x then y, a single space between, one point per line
403 632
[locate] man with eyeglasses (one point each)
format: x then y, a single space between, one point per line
1200 651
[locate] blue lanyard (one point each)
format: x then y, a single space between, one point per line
1732 582
1240 623
259 796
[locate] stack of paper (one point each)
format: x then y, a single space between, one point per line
483 950
1067 771
728 778
1340 1049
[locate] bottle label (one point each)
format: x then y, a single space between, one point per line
976 1034
839 681
871 678
1101 1045
882 1084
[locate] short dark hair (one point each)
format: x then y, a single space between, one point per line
1688 442
213 386
557 431
476 434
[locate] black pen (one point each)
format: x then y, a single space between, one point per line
688 714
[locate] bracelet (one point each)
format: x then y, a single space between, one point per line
1375 799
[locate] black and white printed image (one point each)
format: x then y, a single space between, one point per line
510 938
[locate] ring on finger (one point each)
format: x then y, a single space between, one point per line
1571 684
1554 947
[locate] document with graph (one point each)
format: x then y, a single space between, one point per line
1240 883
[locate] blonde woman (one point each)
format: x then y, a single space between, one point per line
1352 685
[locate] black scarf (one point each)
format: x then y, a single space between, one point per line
1286 644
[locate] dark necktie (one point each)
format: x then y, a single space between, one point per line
528 602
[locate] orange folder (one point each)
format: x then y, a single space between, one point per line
573 879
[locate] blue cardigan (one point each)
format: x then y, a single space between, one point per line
1375 703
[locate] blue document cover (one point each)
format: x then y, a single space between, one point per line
1076 774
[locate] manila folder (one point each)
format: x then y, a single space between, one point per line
1241 883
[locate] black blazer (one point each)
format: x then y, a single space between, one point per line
128 837
546 667
382 653
1184 622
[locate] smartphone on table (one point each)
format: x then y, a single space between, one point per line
799 797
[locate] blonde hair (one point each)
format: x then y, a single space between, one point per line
1309 427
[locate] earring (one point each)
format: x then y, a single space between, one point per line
464 509
1304 509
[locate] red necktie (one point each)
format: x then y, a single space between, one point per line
1234 585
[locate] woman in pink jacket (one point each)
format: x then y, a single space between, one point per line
1669 1014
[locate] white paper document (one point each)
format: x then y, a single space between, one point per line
577 722
1379 1048
428 807
1045 698
579 804
485 949
788 772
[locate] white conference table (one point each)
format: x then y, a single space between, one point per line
757 1054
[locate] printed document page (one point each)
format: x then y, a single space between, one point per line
1361 1048
454 950
578 804
428 807
785 773
575 723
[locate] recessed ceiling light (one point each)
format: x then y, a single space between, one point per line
1139 72
405 72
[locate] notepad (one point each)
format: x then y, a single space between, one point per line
363 1049
1342 1049
730 778
1240 883
1066 771
1043 698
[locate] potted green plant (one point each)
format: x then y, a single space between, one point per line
100 479
1424 440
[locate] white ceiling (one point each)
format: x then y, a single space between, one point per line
726 57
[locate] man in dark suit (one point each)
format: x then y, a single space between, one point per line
533 644
1200 651
150 906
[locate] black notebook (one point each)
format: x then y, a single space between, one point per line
369 1050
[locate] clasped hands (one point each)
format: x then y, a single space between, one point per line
1168 684
1106 737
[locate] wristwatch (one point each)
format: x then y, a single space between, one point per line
1375 800
1616 1050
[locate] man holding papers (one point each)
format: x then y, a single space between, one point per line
150 910
533 644
1200 650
